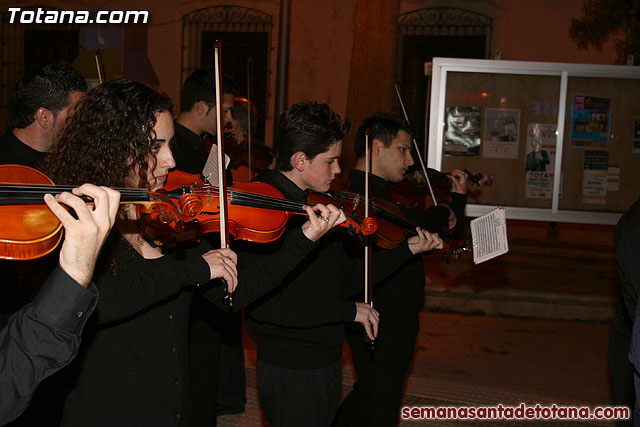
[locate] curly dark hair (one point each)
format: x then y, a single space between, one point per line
109 136
309 127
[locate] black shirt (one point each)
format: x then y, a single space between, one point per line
189 152
15 152
133 368
399 298
300 324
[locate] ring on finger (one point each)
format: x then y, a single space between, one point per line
324 218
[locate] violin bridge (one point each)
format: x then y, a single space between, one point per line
208 195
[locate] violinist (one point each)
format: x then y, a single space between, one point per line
263 157
133 368
376 397
299 326
43 98
198 116
214 333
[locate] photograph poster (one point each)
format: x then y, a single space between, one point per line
501 133
540 160
462 131
590 122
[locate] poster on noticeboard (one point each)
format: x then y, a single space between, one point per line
462 131
540 160
590 122
501 133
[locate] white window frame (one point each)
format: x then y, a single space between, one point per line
441 66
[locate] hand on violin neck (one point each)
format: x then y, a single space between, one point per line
369 318
223 265
424 241
85 234
319 225
458 181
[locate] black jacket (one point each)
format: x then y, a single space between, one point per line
300 324
40 339
133 368
399 297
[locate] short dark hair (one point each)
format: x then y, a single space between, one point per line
47 86
384 127
308 127
200 86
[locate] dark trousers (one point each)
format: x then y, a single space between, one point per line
299 397
232 380
621 369
377 395
204 354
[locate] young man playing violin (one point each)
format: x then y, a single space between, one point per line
299 326
198 116
376 397
213 332
133 368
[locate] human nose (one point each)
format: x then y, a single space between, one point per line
167 159
409 159
336 168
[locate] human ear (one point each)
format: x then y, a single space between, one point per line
201 108
44 118
297 161
376 147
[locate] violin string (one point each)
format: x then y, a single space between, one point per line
35 193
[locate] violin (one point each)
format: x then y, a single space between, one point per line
29 230
257 212
413 192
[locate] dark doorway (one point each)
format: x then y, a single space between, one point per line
237 47
419 49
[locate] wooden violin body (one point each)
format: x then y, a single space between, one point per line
413 192
30 230
258 212
26 231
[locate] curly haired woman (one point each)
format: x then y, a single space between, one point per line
133 369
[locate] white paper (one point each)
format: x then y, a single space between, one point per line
489 235
210 170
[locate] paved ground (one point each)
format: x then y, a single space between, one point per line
505 342
482 360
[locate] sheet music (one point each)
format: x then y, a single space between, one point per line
210 170
489 235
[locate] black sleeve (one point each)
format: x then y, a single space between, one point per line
458 203
434 219
385 262
299 306
40 339
626 244
256 279
149 281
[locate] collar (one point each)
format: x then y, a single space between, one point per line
187 135
379 186
287 187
